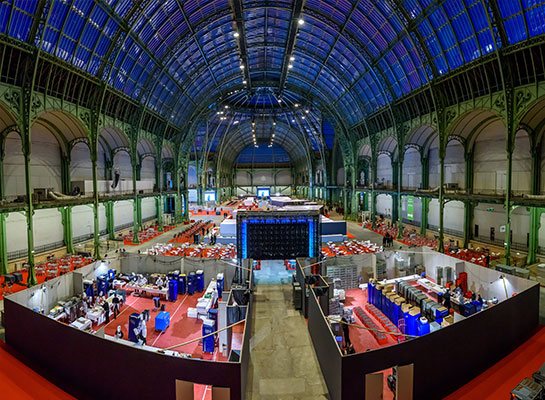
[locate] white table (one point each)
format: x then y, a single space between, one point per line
143 347
82 324
434 287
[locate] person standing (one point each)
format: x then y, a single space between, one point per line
119 332
346 333
115 302
106 308
143 330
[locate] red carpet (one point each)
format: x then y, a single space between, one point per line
18 381
498 381
181 329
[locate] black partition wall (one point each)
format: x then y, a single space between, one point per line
90 367
443 361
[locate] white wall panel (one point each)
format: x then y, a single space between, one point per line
123 213
16 232
243 178
384 204
122 163
148 169
283 178
384 169
14 167
522 164
48 227
82 221
148 208
490 164
435 167
454 164
45 161
81 167
263 178
412 169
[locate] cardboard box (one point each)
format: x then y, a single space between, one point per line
414 311
406 307
399 300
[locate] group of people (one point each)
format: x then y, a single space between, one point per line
387 240
458 293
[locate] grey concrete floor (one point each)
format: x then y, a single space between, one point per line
283 365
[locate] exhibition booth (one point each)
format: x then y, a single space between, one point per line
185 325
393 306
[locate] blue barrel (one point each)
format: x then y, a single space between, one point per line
134 321
200 281
208 342
182 284
191 282
213 315
219 288
172 290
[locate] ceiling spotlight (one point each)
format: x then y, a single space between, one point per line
236 34
301 21
292 120
296 105
274 123
292 58
241 66
226 106
307 111
290 66
303 117
235 122
280 100
244 82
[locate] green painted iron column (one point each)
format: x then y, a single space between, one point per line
535 212
159 212
508 202
425 201
178 198
3 245
66 216
135 202
424 217
469 206
469 211
373 193
93 144
139 210
65 174
110 226
401 157
3 216
442 153
31 281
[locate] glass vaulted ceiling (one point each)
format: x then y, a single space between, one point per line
177 56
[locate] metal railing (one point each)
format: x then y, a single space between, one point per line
14 255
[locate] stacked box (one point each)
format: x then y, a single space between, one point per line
412 321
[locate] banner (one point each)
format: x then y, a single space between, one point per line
410 208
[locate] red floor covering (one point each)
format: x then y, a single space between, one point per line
362 339
18 381
17 288
498 381
181 329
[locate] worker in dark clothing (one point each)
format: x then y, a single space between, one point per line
106 307
446 303
346 332
116 302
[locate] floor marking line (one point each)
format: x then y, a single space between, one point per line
158 336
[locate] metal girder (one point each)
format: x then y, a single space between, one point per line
236 6
159 63
290 42
339 35
194 37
